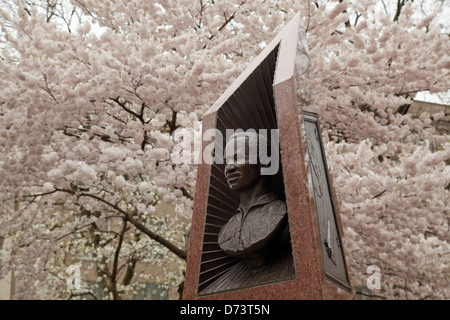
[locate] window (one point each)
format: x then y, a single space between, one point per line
151 291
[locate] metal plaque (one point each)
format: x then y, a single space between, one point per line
333 255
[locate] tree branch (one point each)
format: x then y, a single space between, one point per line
378 195
122 105
129 272
227 21
371 295
116 261
400 4
186 193
87 293
140 226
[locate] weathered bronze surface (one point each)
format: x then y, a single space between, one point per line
261 215
333 256
246 238
249 231
257 232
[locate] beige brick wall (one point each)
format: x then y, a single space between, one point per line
443 124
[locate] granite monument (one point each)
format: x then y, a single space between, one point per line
267 234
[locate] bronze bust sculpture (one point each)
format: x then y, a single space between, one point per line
261 216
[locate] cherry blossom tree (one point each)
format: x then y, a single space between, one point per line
94 93
391 170
90 129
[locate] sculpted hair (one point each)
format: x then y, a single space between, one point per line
254 140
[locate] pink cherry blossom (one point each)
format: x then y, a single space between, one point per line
90 107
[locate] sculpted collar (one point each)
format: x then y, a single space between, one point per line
248 232
264 199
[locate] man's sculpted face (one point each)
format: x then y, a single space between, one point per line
240 176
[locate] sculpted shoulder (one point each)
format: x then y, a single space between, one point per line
230 229
261 224
277 207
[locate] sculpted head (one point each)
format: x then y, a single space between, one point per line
242 164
